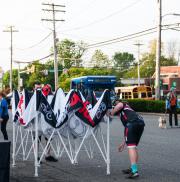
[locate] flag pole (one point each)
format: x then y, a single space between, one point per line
108 148
75 148
36 146
14 144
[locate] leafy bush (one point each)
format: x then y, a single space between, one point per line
140 105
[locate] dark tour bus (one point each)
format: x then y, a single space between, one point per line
95 83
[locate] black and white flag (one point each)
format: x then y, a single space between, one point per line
21 106
45 109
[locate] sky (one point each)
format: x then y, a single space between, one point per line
90 21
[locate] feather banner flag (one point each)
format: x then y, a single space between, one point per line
70 103
101 107
54 117
21 107
91 98
95 115
30 111
15 101
88 116
45 109
58 103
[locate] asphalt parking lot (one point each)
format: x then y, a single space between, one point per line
159 161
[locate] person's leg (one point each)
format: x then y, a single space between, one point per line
135 133
48 153
131 141
3 129
48 148
133 157
175 116
170 118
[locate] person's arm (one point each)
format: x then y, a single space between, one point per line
167 104
121 146
117 108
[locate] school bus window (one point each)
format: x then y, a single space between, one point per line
130 95
134 92
135 95
118 92
149 94
143 94
127 95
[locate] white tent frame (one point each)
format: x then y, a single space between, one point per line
71 153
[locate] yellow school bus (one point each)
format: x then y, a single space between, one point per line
134 92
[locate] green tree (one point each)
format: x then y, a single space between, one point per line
37 75
6 79
43 73
99 59
148 63
70 53
168 61
123 60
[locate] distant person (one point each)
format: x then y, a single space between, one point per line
4 116
37 85
171 106
133 129
47 92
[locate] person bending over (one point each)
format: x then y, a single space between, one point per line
133 129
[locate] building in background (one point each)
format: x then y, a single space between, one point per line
169 77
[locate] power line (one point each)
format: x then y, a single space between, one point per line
84 9
36 44
128 37
104 18
121 40
118 38
80 12
40 59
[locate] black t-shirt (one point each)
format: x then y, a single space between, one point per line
128 115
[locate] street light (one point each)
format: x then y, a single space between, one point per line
138 44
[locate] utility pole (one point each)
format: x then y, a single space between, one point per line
19 86
11 30
178 58
138 45
19 77
54 20
158 51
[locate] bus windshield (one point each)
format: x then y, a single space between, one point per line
95 83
